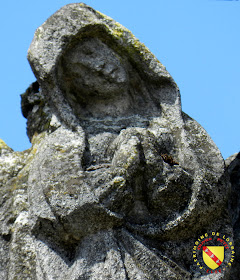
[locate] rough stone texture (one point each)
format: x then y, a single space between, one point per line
119 182
233 169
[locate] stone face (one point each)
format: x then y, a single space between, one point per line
119 182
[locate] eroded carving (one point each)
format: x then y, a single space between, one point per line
119 179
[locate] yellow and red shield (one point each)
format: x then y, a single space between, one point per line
213 256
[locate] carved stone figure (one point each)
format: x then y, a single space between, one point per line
119 182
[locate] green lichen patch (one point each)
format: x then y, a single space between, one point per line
4 147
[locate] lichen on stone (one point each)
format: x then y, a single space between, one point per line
119 182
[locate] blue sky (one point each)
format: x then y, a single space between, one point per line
198 42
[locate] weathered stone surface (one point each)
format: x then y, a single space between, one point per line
233 169
119 182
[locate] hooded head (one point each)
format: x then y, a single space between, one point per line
89 66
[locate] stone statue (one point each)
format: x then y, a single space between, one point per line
119 182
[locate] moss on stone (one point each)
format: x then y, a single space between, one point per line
4 146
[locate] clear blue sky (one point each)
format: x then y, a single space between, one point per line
197 40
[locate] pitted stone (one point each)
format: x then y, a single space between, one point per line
119 182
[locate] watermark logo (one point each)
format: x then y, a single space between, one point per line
213 253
